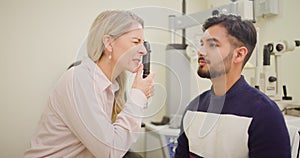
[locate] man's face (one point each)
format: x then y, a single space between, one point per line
215 54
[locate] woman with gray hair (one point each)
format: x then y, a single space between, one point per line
87 114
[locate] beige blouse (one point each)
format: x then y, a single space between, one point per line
77 118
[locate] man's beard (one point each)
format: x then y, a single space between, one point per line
223 67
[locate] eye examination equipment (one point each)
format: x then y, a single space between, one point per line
146 60
270 81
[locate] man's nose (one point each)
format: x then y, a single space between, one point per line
202 51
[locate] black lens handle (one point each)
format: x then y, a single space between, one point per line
146 60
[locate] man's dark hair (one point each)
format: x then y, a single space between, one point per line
243 30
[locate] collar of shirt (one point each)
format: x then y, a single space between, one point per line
100 77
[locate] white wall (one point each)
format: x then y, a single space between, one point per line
39 40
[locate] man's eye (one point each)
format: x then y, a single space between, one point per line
212 45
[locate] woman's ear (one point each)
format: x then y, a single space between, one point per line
107 43
240 54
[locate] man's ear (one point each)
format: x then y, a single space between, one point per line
240 54
107 42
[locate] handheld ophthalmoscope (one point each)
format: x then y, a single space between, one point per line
146 60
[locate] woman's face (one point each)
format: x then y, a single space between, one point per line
128 49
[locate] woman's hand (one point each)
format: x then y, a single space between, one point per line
144 84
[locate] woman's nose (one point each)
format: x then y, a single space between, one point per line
143 50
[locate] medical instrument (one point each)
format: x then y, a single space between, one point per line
270 81
146 60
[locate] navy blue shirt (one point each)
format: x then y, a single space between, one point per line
247 123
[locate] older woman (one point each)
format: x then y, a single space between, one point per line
87 114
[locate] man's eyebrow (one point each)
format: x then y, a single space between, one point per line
212 40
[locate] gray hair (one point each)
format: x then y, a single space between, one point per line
112 22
